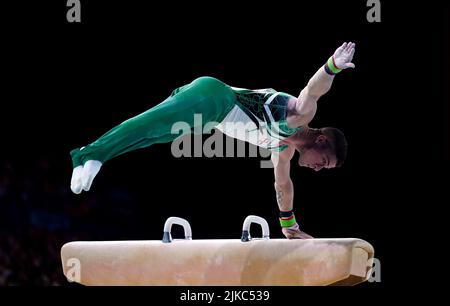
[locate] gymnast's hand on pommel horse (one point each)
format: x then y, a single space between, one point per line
274 120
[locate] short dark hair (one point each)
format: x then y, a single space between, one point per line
337 143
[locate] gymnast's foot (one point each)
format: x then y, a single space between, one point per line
75 183
83 176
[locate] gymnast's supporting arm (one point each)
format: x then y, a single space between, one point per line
283 183
285 194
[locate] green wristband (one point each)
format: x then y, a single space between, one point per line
332 66
288 222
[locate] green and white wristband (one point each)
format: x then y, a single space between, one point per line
330 67
287 219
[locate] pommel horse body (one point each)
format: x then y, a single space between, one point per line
223 262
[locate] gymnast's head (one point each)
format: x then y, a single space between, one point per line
321 148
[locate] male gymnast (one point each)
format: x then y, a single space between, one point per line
264 117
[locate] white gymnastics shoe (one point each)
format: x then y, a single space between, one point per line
75 183
90 170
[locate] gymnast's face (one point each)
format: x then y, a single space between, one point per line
317 155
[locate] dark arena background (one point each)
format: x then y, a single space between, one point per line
65 84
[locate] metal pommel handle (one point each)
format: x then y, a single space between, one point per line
246 227
167 236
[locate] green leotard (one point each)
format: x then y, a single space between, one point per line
256 116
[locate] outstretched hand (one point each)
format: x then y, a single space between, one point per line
343 56
294 232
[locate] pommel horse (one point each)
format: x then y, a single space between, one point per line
218 262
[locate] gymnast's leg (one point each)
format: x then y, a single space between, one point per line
207 96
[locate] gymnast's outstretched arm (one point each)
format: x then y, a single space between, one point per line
322 80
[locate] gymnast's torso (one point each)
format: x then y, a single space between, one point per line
259 117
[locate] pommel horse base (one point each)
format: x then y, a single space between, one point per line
218 262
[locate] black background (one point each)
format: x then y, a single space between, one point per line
66 84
